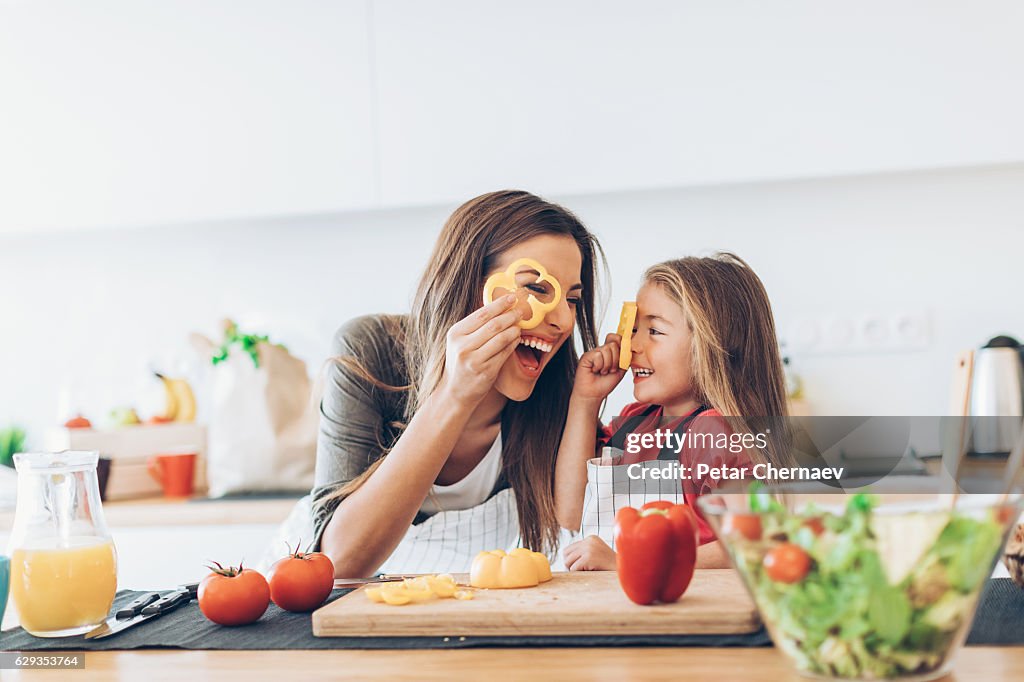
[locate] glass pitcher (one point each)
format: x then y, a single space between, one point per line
63 561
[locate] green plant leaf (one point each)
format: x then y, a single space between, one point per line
12 441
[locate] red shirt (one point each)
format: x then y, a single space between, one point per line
707 422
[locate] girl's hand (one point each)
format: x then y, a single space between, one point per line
598 373
476 348
589 554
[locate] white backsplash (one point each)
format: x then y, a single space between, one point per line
91 311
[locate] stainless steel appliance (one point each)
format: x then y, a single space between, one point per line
997 390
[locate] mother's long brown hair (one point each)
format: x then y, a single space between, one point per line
468 248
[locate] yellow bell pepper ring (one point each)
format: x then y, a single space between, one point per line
507 280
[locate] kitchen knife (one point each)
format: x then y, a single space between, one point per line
134 607
129 610
144 608
345 583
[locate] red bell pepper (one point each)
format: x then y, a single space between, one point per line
656 548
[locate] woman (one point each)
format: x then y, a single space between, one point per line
439 430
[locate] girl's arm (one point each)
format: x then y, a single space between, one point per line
597 375
367 525
593 554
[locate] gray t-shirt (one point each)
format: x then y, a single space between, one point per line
358 421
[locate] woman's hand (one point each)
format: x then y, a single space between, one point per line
477 347
589 554
598 373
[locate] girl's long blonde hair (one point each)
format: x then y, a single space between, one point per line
468 248
737 367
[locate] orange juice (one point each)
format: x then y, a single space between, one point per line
58 586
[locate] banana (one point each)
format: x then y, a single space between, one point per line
180 402
186 401
170 398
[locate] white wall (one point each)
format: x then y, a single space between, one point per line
146 112
133 112
91 310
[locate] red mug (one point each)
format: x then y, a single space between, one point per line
174 472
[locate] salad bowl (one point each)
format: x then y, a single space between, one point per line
864 584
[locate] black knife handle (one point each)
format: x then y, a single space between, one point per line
167 603
135 606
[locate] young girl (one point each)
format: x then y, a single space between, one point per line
703 350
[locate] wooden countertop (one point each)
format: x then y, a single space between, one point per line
161 511
614 665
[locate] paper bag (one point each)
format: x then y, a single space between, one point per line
262 421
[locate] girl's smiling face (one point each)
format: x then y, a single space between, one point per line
662 362
561 257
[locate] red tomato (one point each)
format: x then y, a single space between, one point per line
787 563
301 581
233 596
747 525
815 524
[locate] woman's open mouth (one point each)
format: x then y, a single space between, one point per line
530 354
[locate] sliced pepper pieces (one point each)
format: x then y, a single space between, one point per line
506 280
518 568
656 550
627 320
422 588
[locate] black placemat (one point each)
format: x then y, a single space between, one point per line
1000 615
1000 620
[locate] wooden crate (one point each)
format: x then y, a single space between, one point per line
129 449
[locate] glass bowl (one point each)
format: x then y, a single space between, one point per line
864 585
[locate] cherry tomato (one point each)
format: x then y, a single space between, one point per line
233 596
301 581
747 525
787 563
1006 514
815 524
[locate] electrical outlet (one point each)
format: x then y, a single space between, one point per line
838 334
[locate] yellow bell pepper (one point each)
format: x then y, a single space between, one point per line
506 280
519 568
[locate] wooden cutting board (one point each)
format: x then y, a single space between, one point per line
581 603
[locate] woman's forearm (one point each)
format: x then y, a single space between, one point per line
367 526
579 442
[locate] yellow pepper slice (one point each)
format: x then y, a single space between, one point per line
395 597
442 585
507 280
627 320
419 589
